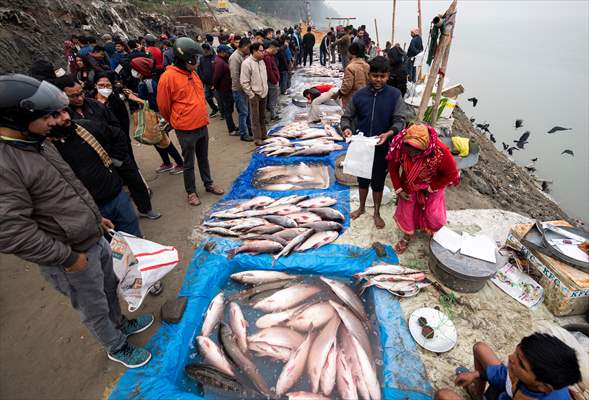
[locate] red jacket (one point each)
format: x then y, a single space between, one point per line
181 99
324 88
157 56
221 75
272 69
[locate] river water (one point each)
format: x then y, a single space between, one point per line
521 59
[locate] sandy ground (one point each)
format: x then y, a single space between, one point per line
45 352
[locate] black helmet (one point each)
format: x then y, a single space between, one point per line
187 50
24 99
150 39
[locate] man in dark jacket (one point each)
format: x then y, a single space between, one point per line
205 73
398 69
324 48
415 47
283 65
375 110
49 218
308 44
222 86
273 78
90 109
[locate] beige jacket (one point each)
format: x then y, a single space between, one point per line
355 77
254 78
235 61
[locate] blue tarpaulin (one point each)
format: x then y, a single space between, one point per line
402 373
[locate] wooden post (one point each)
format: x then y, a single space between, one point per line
393 26
441 82
377 37
437 61
419 17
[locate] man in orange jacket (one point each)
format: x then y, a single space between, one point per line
181 101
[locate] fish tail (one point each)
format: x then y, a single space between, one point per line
231 253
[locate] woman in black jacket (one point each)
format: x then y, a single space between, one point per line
398 69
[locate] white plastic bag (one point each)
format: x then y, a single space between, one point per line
360 156
139 264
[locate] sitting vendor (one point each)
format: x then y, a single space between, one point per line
316 96
541 367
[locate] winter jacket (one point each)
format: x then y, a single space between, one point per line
308 40
398 69
96 111
205 69
415 47
355 77
282 60
157 56
343 44
46 214
272 69
254 78
181 99
374 112
104 184
221 75
235 61
168 56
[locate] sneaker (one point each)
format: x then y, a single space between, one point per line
234 133
131 356
177 170
247 138
139 324
151 214
214 113
164 168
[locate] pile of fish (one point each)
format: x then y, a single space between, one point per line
397 280
281 146
319 70
316 328
302 131
292 177
278 226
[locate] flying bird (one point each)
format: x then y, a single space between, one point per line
534 159
567 151
492 138
505 146
474 101
519 123
484 127
530 169
558 129
511 149
523 140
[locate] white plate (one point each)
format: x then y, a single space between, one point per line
445 335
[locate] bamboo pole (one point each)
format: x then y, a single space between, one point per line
419 17
393 26
439 54
441 82
377 37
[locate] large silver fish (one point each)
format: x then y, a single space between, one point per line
328 373
278 336
348 296
294 367
213 355
346 385
354 325
302 395
277 140
265 229
277 318
263 349
290 233
317 240
316 315
256 277
281 151
304 217
391 269
352 358
319 351
217 230
328 213
292 199
316 202
213 314
368 371
317 149
210 376
323 226
294 243
228 223
248 223
256 202
261 288
282 220
241 359
255 236
238 325
287 298
256 247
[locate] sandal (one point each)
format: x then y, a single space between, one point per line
401 246
193 199
215 190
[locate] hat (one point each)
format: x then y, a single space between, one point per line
143 65
417 136
223 48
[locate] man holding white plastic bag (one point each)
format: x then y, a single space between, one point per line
375 110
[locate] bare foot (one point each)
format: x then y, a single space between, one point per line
378 222
401 246
357 213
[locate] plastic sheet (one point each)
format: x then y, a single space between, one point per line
403 375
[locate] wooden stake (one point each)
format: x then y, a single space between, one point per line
419 17
377 37
393 26
440 53
441 82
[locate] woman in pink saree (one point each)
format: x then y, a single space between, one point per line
421 167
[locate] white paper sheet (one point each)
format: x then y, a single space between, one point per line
448 239
573 251
481 247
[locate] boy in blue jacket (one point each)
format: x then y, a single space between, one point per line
541 367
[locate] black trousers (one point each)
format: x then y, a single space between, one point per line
379 171
226 104
195 144
307 52
323 56
129 173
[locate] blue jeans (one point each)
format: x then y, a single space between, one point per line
283 81
122 214
242 106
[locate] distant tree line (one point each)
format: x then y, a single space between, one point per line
293 10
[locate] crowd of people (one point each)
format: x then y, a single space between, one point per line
66 155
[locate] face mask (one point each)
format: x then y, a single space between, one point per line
105 92
135 74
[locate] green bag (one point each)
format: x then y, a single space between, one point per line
146 128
